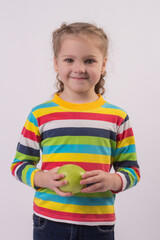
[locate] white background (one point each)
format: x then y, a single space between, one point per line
27 79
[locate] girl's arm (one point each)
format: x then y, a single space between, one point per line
125 164
125 160
24 167
27 155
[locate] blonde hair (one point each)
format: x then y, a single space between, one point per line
85 29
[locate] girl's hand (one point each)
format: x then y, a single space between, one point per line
100 181
49 179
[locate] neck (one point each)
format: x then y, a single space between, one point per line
78 98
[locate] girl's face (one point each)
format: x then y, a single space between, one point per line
80 63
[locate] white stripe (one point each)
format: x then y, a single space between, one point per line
76 222
123 179
29 143
126 125
17 170
79 124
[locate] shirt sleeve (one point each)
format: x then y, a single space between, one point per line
27 155
125 160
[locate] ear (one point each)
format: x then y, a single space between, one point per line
104 66
55 64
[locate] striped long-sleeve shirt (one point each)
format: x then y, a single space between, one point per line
94 136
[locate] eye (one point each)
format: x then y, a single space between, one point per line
68 60
90 61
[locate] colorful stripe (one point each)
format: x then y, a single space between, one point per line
76 115
74 217
85 165
75 157
94 136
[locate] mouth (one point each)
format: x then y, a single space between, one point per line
79 78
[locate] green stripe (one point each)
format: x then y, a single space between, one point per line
129 174
24 157
107 194
86 140
126 156
24 173
98 194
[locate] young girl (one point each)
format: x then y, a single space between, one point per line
77 127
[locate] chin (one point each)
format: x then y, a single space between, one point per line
80 91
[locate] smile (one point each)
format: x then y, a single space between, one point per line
79 78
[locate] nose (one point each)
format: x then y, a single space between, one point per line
79 68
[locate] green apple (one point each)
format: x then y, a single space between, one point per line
73 175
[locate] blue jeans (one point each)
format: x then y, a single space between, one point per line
44 229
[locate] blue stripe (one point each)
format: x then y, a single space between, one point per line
79 132
126 149
16 161
32 119
74 148
28 150
75 200
132 174
28 175
111 106
126 119
19 171
45 105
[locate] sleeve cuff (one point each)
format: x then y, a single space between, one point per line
32 179
124 182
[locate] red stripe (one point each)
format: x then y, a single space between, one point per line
79 115
74 216
86 166
125 134
14 168
31 135
137 171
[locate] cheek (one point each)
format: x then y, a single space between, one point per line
62 71
96 74
95 70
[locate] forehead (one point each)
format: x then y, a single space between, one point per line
79 43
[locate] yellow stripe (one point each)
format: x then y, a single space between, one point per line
138 178
75 157
44 111
110 111
71 208
126 142
32 177
31 127
12 166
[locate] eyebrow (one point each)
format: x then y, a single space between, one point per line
89 56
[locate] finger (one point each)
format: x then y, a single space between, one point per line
90 180
60 183
58 176
62 194
93 188
54 170
90 174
